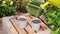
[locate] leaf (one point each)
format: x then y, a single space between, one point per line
56 30
53 32
10 11
2 14
49 20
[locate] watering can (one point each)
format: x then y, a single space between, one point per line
55 3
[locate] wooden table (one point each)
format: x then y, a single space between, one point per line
12 26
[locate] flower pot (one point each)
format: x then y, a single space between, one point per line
35 24
22 20
34 8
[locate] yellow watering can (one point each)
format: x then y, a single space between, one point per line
55 3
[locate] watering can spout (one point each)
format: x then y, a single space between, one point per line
42 6
52 2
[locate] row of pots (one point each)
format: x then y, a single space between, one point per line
35 22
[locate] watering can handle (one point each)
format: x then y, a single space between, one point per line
42 6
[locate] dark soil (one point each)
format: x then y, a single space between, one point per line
22 19
36 21
35 3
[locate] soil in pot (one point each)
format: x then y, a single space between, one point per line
35 3
22 19
36 21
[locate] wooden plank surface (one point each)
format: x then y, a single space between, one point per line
7 26
46 31
1 32
22 31
28 30
15 23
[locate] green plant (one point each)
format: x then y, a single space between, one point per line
23 5
51 15
9 11
7 7
56 30
53 18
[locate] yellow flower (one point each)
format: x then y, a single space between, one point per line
11 3
4 2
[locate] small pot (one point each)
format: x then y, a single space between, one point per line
35 24
22 20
